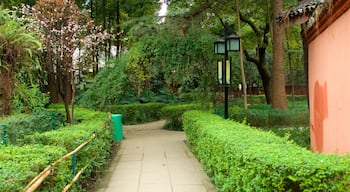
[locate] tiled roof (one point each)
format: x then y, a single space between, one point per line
306 7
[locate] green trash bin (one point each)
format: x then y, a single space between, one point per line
117 127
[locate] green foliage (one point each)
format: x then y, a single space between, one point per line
68 138
95 153
19 165
21 125
27 99
18 49
240 158
137 113
173 114
107 88
9 4
300 136
261 115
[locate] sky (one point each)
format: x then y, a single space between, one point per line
163 9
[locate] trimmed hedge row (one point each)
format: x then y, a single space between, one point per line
240 158
137 113
67 139
271 118
18 126
19 165
173 114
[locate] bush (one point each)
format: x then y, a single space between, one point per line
240 158
300 136
68 138
173 114
18 126
137 113
263 116
107 87
95 153
27 98
19 165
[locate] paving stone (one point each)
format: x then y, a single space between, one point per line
151 159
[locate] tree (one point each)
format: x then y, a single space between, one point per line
279 100
18 49
255 29
63 28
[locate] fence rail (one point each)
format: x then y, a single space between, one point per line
36 182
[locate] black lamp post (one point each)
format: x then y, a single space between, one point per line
222 47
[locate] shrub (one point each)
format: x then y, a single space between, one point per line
95 153
18 126
110 81
300 136
173 114
68 138
137 113
19 165
240 158
263 116
28 98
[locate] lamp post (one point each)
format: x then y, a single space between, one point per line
222 47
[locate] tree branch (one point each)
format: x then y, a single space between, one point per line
250 23
266 31
250 58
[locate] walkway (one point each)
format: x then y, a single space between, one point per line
151 159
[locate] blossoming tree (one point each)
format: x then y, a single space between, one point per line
64 29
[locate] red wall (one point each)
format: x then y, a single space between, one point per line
329 85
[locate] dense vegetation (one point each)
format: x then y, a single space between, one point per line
118 56
240 158
39 146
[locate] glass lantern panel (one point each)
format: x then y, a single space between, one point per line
219 72
219 48
228 72
233 44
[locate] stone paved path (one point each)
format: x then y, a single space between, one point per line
151 159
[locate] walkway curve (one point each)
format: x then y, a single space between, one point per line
151 159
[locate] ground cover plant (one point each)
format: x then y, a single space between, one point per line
240 158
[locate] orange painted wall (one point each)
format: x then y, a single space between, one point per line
329 82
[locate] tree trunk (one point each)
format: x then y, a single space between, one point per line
65 91
5 92
260 56
265 75
52 88
263 69
244 83
279 100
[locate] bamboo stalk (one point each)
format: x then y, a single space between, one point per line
74 179
35 183
74 151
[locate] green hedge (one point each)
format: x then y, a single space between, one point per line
94 154
137 113
173 114
19 165
240 158
263 116
18 126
